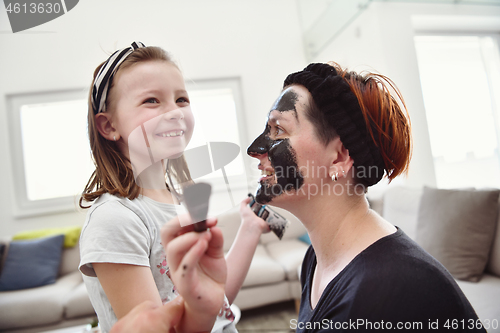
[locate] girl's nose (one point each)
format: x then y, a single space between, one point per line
175 114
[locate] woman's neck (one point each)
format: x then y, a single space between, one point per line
332 223
340 227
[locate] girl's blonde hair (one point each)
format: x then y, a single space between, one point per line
113 171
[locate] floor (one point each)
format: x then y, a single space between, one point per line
273 318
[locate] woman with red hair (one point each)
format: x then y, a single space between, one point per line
330 135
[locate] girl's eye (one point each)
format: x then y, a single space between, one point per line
151 100
182 100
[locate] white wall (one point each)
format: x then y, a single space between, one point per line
258 41
381 39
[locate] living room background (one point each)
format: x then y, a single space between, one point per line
259 42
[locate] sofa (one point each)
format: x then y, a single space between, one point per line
62 304
403 207
273 274
272 278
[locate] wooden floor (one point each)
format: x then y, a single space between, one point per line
273 318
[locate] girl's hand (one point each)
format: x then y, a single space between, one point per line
198 270
250 221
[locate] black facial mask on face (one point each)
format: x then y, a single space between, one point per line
286 102
261 145
281 154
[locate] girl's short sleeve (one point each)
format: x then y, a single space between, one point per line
114 234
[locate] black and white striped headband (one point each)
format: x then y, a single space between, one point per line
106 73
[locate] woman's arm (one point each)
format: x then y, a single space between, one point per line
241 252
127 286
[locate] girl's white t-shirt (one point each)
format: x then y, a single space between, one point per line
123 231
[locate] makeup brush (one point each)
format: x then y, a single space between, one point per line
196 198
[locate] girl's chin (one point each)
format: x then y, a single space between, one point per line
174 156
169 153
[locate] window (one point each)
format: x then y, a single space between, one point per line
55 148
51 155
50 151
217 107
460 78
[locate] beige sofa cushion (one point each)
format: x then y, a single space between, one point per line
494 261
263 269
229 222
457 228
401 208
77 304
484 297
253 297
36 306
70 259
289 253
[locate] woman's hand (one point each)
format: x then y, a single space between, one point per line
148 317
198 269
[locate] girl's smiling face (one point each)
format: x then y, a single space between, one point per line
290 153
151 112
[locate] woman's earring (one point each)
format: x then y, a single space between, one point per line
343 173
114 137
335 176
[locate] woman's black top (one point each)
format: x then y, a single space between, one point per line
393 285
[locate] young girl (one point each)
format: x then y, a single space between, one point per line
139 112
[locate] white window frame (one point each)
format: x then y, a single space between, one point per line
438 25
234 83
23 206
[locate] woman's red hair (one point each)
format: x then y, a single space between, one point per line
387 120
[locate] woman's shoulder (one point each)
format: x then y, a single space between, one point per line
397 255
404 282
401 268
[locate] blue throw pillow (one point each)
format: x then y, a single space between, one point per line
305 238
31 263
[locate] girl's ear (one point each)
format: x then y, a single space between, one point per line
342 162
105 126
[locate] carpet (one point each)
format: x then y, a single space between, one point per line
274 318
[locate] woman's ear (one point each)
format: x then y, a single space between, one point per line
105 126
342 162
